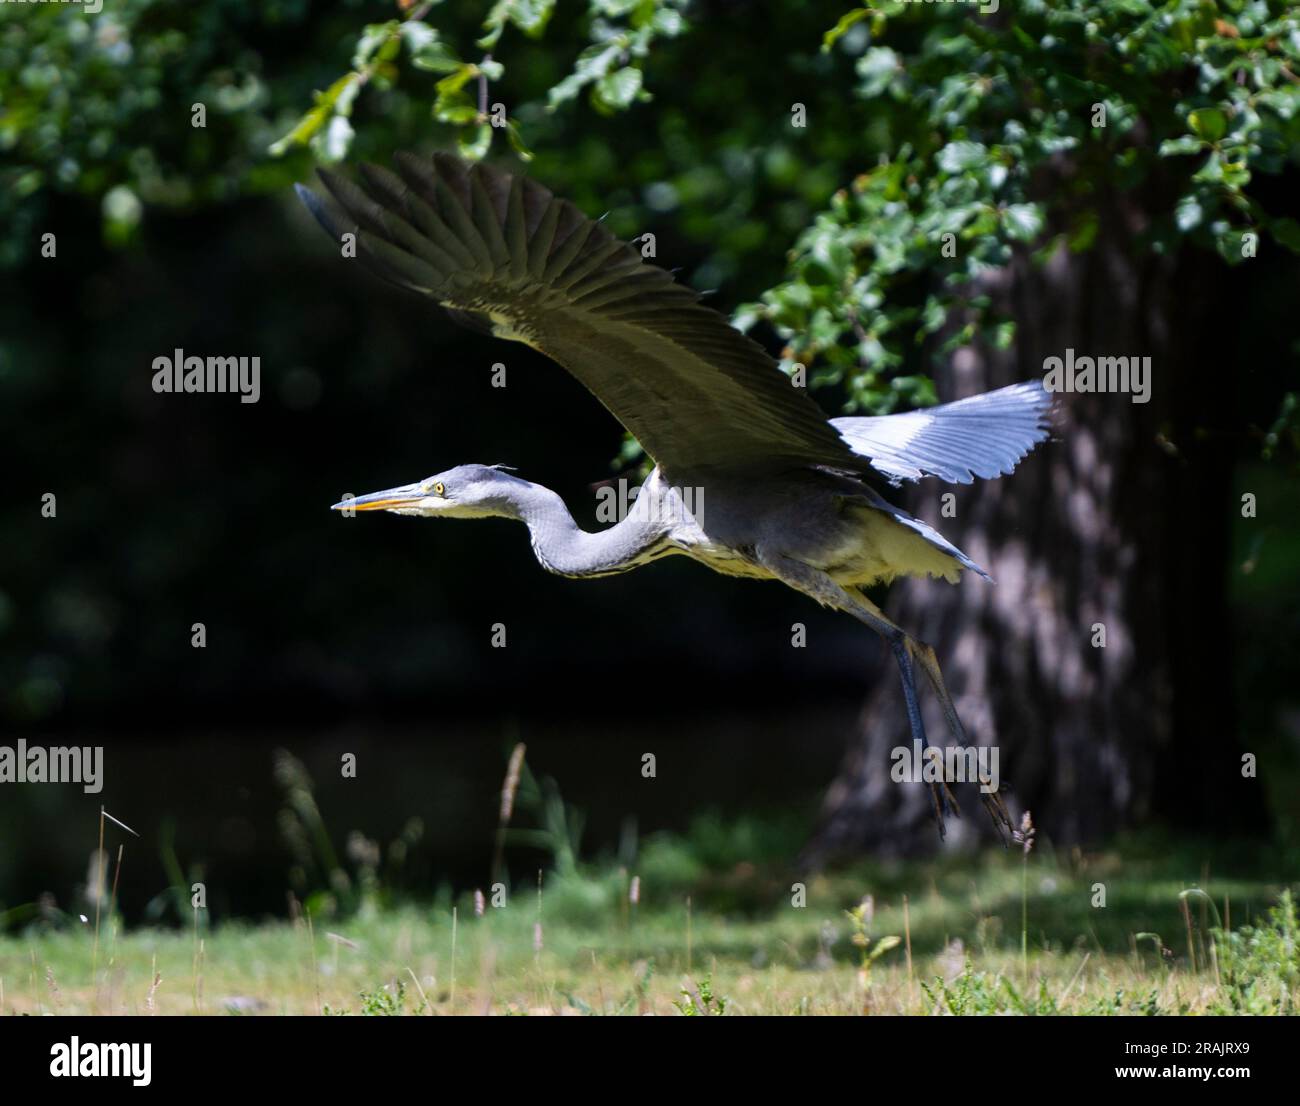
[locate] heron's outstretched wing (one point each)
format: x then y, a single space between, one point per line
984 435
499 251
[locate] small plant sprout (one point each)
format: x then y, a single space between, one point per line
700 1001
869 950
1024 837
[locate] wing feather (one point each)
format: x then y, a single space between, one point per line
493 246
985 435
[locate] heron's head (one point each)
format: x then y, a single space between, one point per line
467 491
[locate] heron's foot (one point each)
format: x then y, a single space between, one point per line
942 804
997 810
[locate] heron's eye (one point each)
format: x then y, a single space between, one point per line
440 488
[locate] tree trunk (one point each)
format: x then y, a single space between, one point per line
1121 520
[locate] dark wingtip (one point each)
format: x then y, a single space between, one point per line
312 203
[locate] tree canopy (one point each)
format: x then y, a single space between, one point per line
919 144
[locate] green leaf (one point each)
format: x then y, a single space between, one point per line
345 92
455 108
439 58
618 89
517 141
1236 174
592 64
530 16
877 67
332 143
303 131
841 28
474 144
453 103
1210 123
1023 221
417 35
452 84
1176 147
1212 170
957 157
427 49
372 38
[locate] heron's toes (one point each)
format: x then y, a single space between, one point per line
943 804
997 810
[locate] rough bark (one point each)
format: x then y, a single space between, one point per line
1122 519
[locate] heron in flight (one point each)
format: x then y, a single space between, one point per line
750 477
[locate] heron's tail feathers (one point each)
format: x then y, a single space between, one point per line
985 435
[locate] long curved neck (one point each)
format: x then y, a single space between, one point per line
563 547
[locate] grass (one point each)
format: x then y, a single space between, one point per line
717 928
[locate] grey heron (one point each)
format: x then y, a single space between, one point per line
784 491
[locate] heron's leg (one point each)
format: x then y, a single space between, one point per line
817 584
925 656
940 796
992 799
